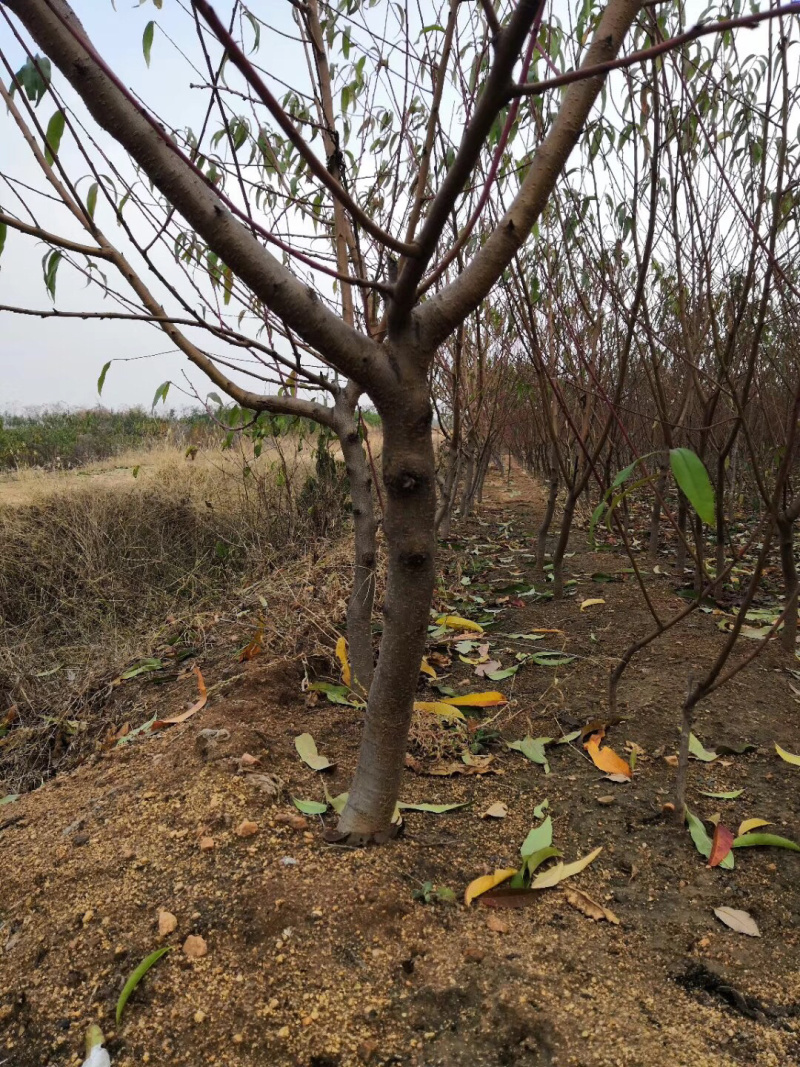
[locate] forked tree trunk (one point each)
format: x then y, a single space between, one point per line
410 507
790 583
362 595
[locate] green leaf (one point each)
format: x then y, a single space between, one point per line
536 859
435 809
337 694
339 802
137 976
549 659
693 480
701 839
50 266
145 667
498 676
161 393
310 807
55 131
101 381
732 795
91 199
765 840
533 749
10 798
538 811
307 751
539 837
147 41
696 749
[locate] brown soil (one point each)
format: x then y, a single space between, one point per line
318 956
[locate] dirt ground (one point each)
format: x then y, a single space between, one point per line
319 956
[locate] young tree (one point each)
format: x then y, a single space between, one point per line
394 247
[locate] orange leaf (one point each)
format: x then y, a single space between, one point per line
159 724
477 700
721 845
253 648
606 759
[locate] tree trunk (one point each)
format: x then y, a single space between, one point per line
448 487
410 508
561 546
655 517
719 506
790 584
469 478
544 529
362 596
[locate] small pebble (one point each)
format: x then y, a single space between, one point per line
195 947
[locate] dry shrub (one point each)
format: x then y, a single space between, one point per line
94 574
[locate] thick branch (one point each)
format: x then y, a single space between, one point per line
440 315
58 32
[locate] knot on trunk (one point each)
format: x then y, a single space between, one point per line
413 559
404 482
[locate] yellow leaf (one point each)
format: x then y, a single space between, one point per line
438 707
455 622
591 601
478 700
751 824
788 756
487 882
341 655
426 668
557 874
606 759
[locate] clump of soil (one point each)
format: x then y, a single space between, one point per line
320 956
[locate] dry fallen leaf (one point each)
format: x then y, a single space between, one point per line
341 655
438 707
589 906
497 810
487 882
606 759
751 824
740 921
591 602
721 845
201 701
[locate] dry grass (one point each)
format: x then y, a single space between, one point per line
98 568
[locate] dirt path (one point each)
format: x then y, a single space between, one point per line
318 956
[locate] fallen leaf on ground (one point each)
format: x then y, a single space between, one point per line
539 837
764 841
606 759
310 807
589 906
137 976
788 756
495 811
438 707
740 921
307 751
591 602
539 810
426 668
560 871
435 809
341 655
252 648
720 845
478 700
159 724
702 841
751 824
487 882
533 749
489 669
455 622
697 751
732 795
